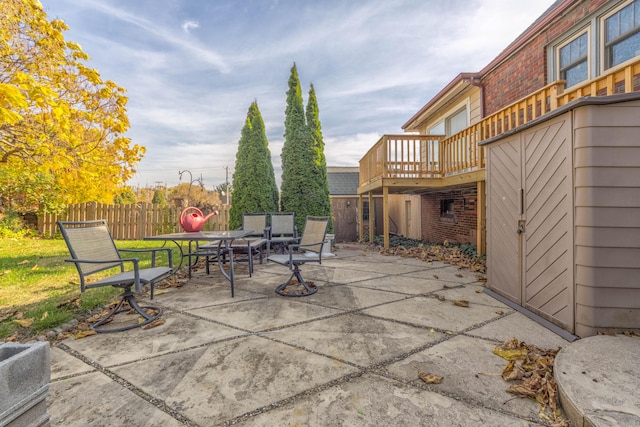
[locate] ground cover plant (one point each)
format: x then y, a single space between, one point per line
40 291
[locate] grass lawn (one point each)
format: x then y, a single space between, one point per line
39 290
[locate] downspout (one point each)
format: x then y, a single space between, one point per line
481 186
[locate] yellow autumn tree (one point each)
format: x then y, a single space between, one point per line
61 126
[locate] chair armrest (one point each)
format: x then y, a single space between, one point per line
153 251
93 261
292 247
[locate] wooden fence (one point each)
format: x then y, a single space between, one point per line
130 222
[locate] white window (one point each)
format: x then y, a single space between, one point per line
604 39
457 122
622 35
437 129
574 60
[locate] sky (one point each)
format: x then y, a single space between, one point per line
192 68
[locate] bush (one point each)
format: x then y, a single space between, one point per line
13 226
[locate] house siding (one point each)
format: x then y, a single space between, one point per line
461 228
525 72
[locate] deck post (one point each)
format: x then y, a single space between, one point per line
481 217
385 215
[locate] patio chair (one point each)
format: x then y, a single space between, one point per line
308 250
282 230
93 250
251 245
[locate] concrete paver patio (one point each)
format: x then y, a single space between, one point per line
348 355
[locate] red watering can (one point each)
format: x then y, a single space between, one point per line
193 221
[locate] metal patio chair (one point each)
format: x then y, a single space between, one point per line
282 230
251 245
309 249
93 250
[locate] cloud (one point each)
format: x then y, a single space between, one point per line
373 65
187 26
195 50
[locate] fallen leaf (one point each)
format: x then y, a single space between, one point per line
84 334
23 262
153 324
500 312
44 315
461 303
429 378
6 272
35 267
513 371
511 350
25 323
459 275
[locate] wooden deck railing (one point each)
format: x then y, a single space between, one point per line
433 156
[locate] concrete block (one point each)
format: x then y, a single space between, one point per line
24 384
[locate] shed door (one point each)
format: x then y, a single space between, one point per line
530 220
504 176
548 236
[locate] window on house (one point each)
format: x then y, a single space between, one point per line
574 65
365 211
437 129
622 35
457 122
446 207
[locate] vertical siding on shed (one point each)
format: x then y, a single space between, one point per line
607 217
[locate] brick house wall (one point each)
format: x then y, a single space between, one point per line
458 227
525 72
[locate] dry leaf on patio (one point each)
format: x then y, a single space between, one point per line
84 334
511 350
153 324
534 367
513 371
429 378
461 303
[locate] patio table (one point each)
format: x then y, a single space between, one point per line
223 237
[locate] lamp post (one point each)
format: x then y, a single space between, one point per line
191 181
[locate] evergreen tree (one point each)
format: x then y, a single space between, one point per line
320 164
159 197
299 187
254 182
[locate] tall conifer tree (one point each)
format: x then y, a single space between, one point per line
254 182
298 157
320 163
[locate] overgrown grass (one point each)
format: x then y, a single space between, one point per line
39 290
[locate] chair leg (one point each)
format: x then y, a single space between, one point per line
129 297
309 289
